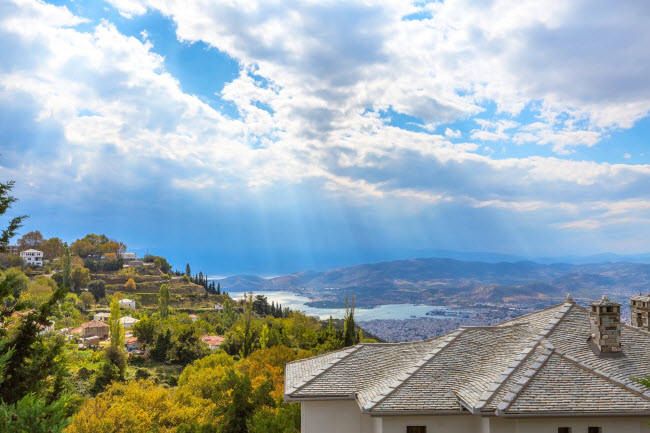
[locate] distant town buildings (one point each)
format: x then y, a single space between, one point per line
32 257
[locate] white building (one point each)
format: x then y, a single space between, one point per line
558 370
128 321
32 257
102 317
127 257
127 303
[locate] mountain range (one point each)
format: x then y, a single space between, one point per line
445 281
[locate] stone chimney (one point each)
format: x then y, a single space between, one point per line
640 309
605 320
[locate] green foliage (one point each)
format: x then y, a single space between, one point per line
115 327
87 299
97 288
33 414
349 331
80 277
145 330
66 263
163 346
6 200
163 301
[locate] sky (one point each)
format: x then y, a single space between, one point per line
273 136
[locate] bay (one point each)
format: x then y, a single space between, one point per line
388 311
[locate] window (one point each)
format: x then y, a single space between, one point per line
416 429
595 430
564 430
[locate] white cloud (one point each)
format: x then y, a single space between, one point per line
627 155
314 78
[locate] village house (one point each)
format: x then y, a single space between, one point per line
12 249
565 369
132 344
214 341
128 321
194 317
91 329
32 257
102 317
129 257
127 303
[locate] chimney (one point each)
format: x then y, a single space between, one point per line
605 320
639 309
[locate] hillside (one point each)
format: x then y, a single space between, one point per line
454 281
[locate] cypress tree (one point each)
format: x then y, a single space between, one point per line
163 301
188 271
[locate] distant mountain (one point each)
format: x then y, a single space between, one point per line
444 280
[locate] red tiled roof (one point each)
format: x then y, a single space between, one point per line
94 324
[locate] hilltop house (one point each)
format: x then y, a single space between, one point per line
127 303
32 257
565 369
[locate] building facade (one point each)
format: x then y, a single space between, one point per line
127 303
32 257
565 369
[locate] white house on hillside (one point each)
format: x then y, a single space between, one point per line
127 257
32 257
128 321
127 303
565 369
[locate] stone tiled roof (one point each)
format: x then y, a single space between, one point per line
537 364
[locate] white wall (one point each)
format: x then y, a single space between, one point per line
344 416
335 416
435 424
578 425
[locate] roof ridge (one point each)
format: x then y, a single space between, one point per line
525 379
322 355
490 393
518 319
390 389
320 372
608 377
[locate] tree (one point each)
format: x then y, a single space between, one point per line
130 285
66 262
218 288
87 299
163 301
31 240
80 278
115 327
97 288
188 271
6 201
247 344
145 331
81 248
33 414
349 334
52 248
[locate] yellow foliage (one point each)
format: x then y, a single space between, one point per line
131 407
130 285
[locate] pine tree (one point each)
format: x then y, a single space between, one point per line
218 288
66 262
349 334
188 271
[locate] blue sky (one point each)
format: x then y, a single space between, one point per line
268 137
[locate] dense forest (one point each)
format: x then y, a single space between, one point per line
52 381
